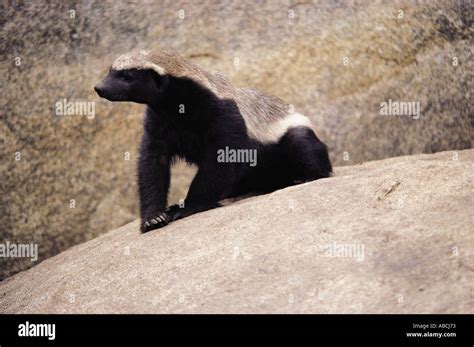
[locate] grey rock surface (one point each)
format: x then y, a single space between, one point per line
389 236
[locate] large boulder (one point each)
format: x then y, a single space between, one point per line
390 236
67 179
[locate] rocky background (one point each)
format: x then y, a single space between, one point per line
67 179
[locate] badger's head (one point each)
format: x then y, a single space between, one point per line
133 77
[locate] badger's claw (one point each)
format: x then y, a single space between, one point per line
155 222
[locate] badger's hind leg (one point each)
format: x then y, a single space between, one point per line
306 156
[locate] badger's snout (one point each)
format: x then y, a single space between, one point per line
106 90
99 89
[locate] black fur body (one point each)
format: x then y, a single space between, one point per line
208 124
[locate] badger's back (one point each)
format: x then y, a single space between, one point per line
266 117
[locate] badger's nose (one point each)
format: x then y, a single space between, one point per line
98 89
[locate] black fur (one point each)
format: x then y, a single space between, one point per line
208 124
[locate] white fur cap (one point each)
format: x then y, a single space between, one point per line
137 60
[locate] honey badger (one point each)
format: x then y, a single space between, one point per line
193 115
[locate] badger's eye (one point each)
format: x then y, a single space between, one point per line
126 76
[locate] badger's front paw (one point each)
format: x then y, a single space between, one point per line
174 212
155 222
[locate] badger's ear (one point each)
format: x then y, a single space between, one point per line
161 82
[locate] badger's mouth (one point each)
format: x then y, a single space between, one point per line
113 97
